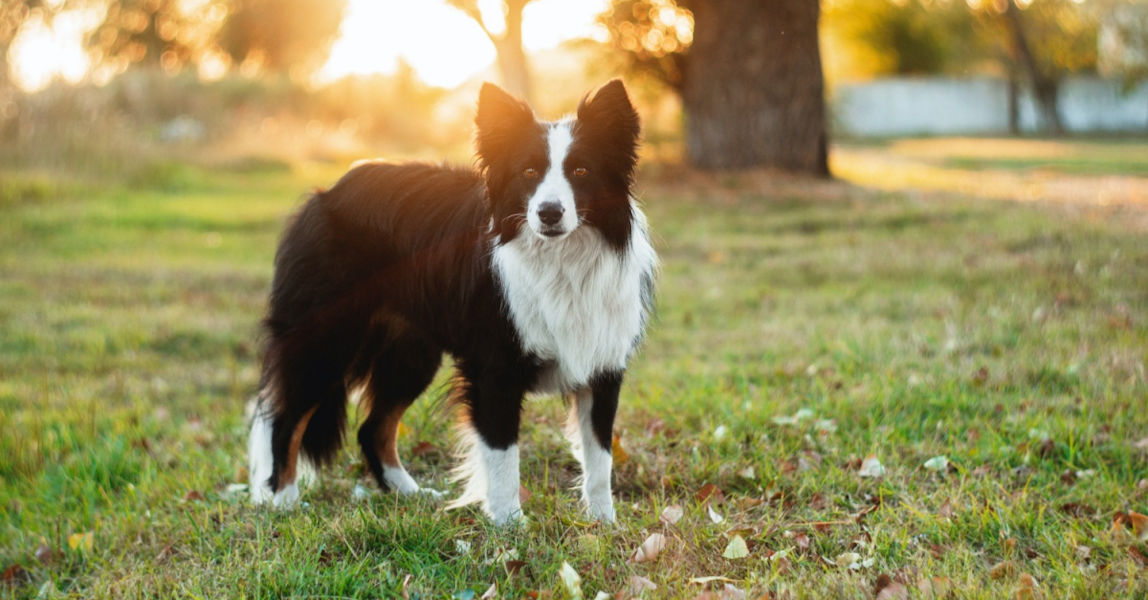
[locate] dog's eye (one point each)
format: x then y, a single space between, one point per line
530 173
579 171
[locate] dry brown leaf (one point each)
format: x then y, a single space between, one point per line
423 448
45 554
1002 569
15 575
650 548
710 493
1139 525
893 591
192 496
937 587
620 454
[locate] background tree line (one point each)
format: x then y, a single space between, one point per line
749 73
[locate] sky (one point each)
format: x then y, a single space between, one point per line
444 46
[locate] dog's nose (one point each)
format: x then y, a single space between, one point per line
550 213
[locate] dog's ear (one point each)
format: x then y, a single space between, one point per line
608 117
500 118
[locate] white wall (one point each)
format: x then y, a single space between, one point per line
944 106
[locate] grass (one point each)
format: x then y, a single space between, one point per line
802 327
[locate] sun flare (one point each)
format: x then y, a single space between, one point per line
441 44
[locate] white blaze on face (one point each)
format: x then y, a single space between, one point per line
555 188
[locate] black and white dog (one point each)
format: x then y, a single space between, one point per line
534 272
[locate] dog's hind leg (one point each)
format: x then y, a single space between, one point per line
399 374
301 409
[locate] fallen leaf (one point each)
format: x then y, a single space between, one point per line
638 584
571 580
650 548
1002 569
82 541
192 496
1083 553
847 559
721 432
165 553
406 586
736 549
491 592
714 516
523 494
871 467
1077 509
1139 525
672 514
1138 556
728 592
1028 587
513 566
602 596
709 579
937 463
619 453
15 575
747 473
936 587
423 448
893 591
710 493
45 554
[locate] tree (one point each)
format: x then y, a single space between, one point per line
163 33
282 35
1046 41
512 64
748 72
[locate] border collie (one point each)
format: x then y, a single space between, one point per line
534 272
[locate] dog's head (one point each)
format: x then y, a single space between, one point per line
549 178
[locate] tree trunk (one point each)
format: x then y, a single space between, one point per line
752 88
511 56
1045 88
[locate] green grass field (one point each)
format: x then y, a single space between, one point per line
802 327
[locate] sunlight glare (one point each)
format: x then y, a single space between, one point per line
40 52
442 45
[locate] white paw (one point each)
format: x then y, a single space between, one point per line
432 493
399 480
260 493
286 498
505 515
602 510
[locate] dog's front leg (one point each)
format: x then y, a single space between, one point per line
592 436
495 413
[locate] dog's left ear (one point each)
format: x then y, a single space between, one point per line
608 116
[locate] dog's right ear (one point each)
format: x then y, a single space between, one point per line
501 117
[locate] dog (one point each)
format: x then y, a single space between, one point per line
534 271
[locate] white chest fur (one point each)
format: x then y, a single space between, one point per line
577 301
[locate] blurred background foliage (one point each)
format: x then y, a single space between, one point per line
242 74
